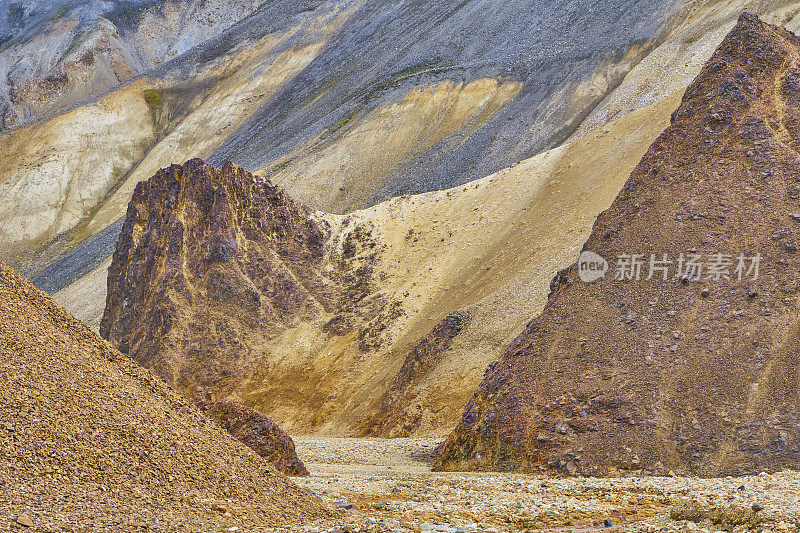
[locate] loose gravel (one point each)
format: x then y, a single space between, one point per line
387 485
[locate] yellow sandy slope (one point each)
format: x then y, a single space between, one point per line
53 174
490 247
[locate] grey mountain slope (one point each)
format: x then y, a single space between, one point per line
57 54
567 55
385 49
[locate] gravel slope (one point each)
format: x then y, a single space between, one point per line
91 441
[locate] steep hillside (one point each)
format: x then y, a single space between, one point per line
694 369
378 282
344 103
90 440
351 156
56 54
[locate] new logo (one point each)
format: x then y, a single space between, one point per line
591 266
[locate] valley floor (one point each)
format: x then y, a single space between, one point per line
387 485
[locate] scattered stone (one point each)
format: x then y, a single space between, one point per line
25 521
348 506
101 444
726 514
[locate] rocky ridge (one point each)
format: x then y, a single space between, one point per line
400 411
259 433
691 371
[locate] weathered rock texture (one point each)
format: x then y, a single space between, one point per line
693 376
259 433
213 264
400 409
212 261
89 440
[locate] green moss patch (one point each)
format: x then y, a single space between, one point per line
155 103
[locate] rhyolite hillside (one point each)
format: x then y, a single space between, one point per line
696 373
343 103
348 104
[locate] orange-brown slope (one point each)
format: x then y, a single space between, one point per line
89 440
696 376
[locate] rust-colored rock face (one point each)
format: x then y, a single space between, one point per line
258 432
214 270
212 263
695 376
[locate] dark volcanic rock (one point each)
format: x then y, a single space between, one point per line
210 263
189 245
258 432
692 375
399 415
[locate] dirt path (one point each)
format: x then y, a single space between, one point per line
390 483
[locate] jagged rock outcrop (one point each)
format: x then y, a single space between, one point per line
91 440
213 263
259 433
692 375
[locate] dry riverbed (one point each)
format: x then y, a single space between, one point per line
387 485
